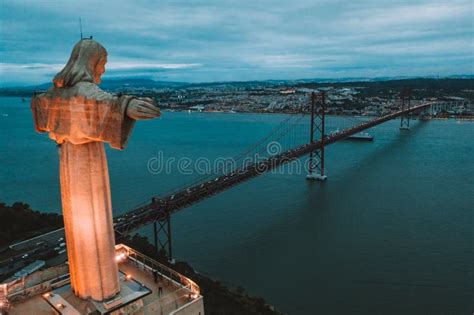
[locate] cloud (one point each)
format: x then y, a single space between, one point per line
413 14
139 65
219 40
5 67
41 72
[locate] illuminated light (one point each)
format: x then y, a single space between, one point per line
129 277
59 305
120 257
194 296
47 295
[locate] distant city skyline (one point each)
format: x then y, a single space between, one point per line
208 41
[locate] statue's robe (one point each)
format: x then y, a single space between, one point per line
80 119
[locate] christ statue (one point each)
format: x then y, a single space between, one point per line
80 117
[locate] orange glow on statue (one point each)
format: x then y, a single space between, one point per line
79 116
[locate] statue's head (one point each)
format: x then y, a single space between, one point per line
86 64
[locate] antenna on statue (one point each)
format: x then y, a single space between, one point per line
80 27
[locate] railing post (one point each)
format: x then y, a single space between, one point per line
316 157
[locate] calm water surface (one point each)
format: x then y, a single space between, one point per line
390 232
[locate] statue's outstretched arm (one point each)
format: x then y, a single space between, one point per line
142 108
137 108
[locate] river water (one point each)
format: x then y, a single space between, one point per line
390 232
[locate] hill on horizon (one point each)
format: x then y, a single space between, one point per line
117 84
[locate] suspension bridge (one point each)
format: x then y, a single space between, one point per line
159 210
294 137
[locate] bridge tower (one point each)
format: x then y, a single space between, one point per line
316 158
405 103
162 234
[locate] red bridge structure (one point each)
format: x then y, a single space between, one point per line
263 159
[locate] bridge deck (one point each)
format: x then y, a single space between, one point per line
159 209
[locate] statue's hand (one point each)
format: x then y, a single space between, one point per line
142 108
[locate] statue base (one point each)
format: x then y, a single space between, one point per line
128 301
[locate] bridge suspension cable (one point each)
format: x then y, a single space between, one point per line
251 153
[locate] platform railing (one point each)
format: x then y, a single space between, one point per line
148 264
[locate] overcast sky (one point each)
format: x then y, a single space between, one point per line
218 40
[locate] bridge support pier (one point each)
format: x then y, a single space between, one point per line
162 237
316 158
405 99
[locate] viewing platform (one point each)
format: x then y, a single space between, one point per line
147 287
